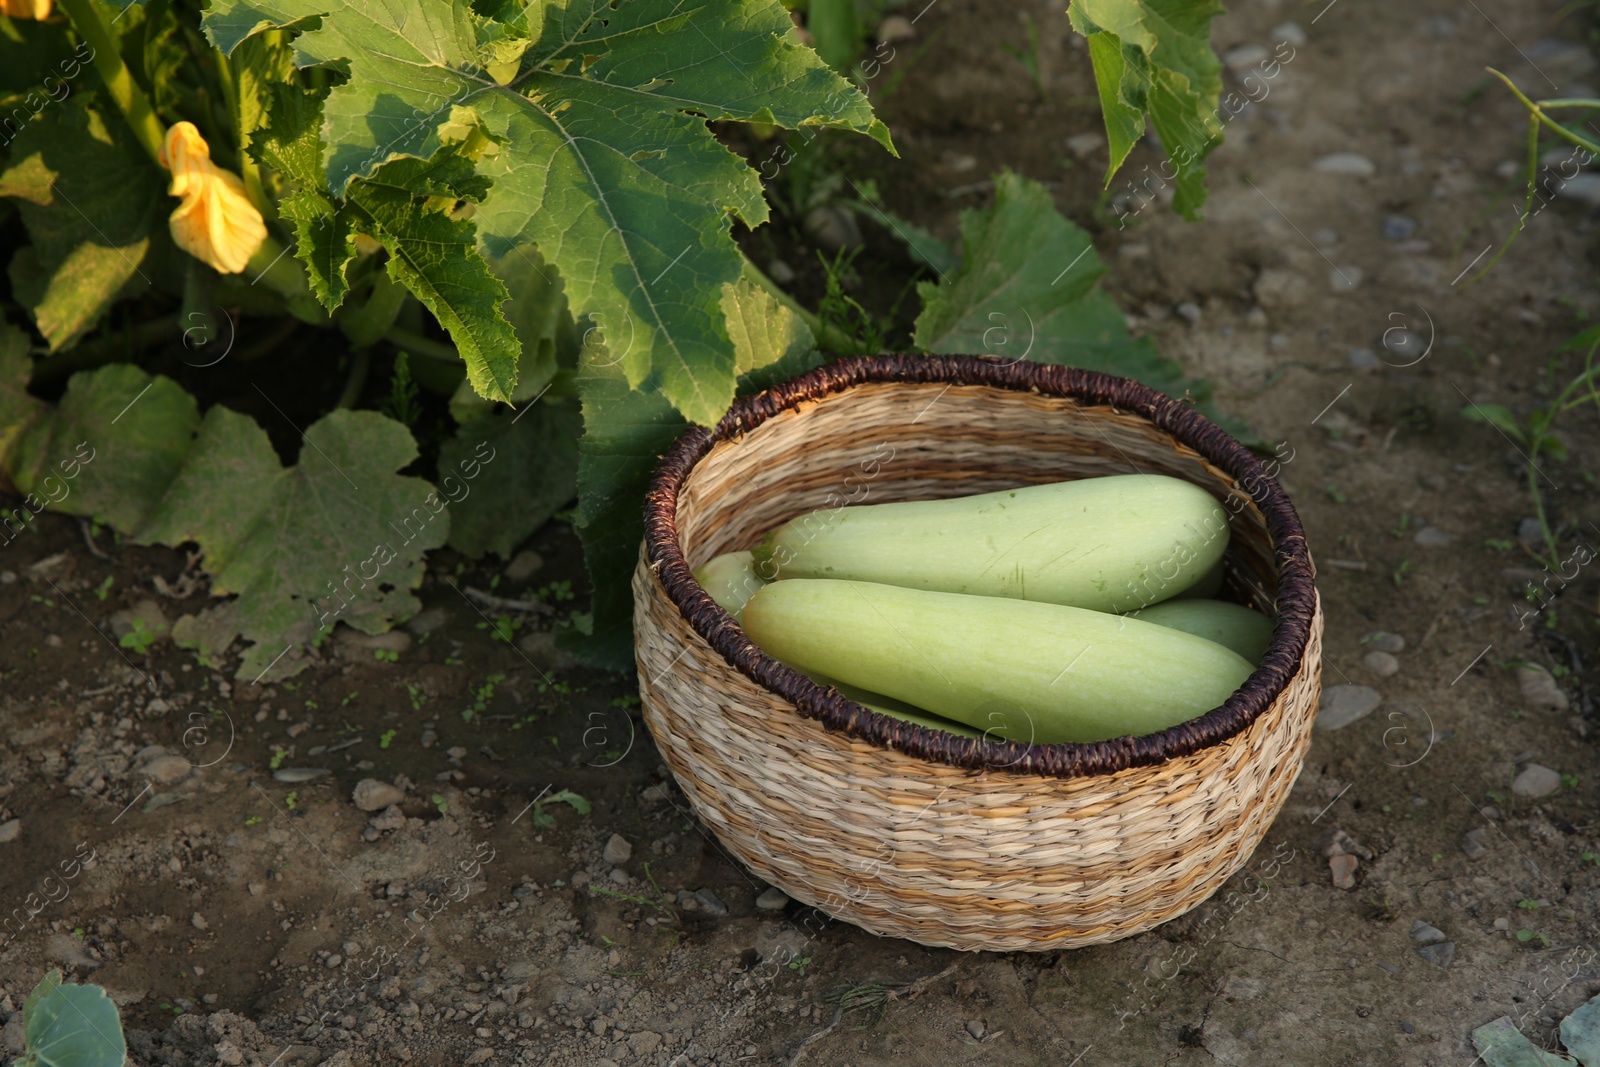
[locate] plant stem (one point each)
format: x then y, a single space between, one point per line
366 325
829 337
130 99
419 345
360 363
111 345
273 267
1537 110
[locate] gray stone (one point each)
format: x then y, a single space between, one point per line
166 769
780 272
618 850
298 774
896 28
1189 312
428 621
1441 955
1244 57
1380 663
832 228
1530 531
1342 869
975 1028
372 795
1399 227
1083 145
1344 704
1424 934
1349 164
10 830
1539 688
1433 537
1472 842
644 1043
774 899
147 612
1276 289
1384 641
1362 359
618 875
390 818
710 902
14 1037
1345 279
1290 32
1536 780
541 648
524 565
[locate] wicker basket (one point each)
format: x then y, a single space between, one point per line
915 833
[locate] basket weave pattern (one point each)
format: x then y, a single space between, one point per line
911 833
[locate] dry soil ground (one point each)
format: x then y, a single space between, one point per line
239 918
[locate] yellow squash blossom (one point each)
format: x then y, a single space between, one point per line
25 9
216 223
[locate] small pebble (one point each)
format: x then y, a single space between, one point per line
1381 663
1403 347
428 621
428 738
618 850
372 795
166 769
298 774
1407 1028
1362 358
1530 531
619 876
1342 867
1433 537
1242 58
896 28
1344 279
1398 227
1539 688
198 921
780 272
1472 842
1349 164
1536 781
1189 312
1086 144
1290 32
1440 955
832 228
1384 641
975 1028
524 565
710 902
1424 934
9 830
774 899
1344 704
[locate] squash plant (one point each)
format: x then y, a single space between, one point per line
524 198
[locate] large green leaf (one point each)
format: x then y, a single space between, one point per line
68 1025
17 407
1155 57
338 537
130 433
507 473
1500 1044
604 159
89 197
291 144
625 433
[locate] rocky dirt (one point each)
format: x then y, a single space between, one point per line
370 864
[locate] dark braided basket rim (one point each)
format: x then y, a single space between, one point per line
1295 602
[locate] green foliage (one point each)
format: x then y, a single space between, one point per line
601 156
68 1025
88 197
1154 57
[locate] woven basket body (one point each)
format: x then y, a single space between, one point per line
941 840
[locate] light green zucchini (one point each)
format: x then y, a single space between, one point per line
1230 625
1116 543
895 709
1026 671
730 579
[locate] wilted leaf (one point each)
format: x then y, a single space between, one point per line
1501 1044
1580 1033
